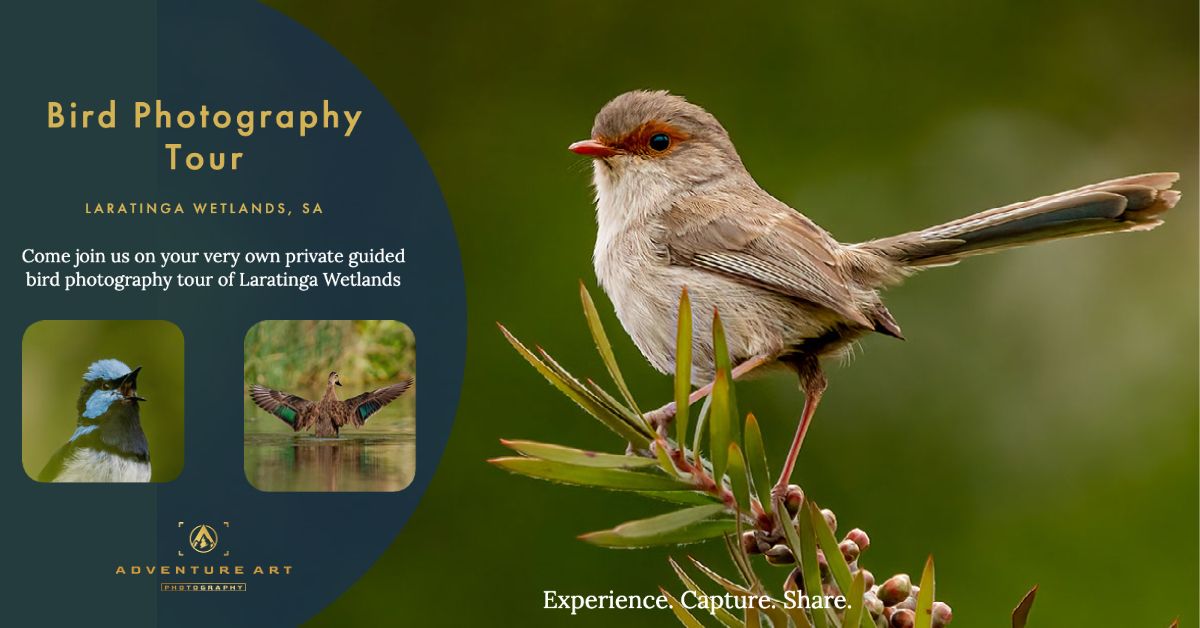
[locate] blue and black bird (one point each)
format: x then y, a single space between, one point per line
108 444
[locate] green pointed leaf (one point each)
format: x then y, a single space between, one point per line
791 537
701 427
664 458
777 614
792 534
752 618
829 546
733 546
742 562
603 346
683 367
725 617
719 420
738 479
1020 614
725 583
756 461
682 526
615 479
660 453
686 498
805 540
682 614
926 596
612 403
581 457
575 392
854 614
634 421
723 363
799 617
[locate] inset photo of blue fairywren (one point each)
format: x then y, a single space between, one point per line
108 444
102 428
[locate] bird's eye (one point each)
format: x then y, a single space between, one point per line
660 142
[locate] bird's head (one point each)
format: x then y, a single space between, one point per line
109 387
334 380
658 141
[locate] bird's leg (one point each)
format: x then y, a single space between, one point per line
813 381
661 417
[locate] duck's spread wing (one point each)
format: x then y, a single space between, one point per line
757 240
358 409
288 407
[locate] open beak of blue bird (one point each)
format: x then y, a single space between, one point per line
128 386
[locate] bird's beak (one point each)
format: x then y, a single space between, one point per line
128 385
338 382
592 148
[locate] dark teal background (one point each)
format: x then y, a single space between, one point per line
376 190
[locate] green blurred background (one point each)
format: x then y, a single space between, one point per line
56 354
1039 426
297 357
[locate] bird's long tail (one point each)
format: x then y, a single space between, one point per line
1130 204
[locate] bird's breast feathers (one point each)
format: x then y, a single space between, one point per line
92 465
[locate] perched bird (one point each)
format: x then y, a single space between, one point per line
676 209
328 415
108 444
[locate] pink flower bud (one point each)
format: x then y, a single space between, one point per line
750 543
941 614
868 579
780 555
872 603
895 589
849 550
795 581
903 618
860 538
793 499
830 519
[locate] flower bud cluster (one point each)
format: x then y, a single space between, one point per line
891 603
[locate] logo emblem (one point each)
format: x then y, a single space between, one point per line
203 538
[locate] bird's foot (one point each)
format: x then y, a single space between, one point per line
630 450
658 419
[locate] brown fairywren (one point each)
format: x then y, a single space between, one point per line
676 209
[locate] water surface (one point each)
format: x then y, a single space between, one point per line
357 460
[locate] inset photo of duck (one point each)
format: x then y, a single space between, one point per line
330 406
102 401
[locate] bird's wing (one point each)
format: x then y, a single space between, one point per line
288 407
56 464
758 240
364 405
